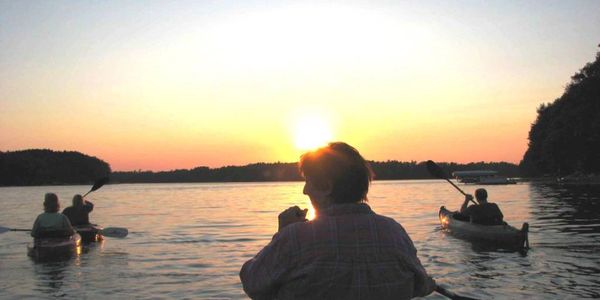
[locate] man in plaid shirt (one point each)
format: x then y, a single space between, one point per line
347 251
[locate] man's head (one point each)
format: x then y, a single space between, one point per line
336 172
51 204
481 195
77 200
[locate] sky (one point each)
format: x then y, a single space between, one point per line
162 85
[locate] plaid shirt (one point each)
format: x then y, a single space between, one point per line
347 252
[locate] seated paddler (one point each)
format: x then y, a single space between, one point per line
79 212
51 223
347 252
484 213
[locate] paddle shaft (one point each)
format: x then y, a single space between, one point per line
454 185
98 184
438 172
109 231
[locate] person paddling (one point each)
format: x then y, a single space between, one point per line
347 252
51 223
484 213
79 212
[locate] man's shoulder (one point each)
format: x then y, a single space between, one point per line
473 207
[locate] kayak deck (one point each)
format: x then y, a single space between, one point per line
55 248
501 235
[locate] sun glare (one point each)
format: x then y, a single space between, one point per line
311 133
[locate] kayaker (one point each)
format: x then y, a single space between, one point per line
79 212
51 223
347 251
485 213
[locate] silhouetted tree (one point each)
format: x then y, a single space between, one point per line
565 137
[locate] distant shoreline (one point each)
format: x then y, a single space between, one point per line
538 180
46 167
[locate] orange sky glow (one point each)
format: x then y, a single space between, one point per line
161 86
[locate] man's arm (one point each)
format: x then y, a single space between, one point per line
67 226
262 275
424 284
466 203
36 228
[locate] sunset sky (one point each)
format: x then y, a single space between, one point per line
160 85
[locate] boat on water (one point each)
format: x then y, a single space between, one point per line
89 233
55 247
498 235
481 177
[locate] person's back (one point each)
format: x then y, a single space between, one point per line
51 223
350 253
347 251
484 213
78 214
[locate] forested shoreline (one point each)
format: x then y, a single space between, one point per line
259 172
47 167
565 137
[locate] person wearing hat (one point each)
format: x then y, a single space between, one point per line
484 213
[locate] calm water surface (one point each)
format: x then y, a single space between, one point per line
190 240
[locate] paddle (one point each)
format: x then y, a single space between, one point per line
438 172
98 184
116 232
450 294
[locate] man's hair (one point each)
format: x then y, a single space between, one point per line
77 200
51 203
340 165
481 194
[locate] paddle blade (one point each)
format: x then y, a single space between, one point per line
99 183
4 229
117 232
450 294
435 170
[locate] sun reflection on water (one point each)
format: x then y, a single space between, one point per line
311 214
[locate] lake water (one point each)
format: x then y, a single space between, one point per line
190 240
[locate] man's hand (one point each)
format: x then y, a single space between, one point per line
468 198
292 215
466 203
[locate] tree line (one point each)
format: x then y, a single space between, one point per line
388 170
47 167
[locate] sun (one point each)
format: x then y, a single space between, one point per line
311 132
